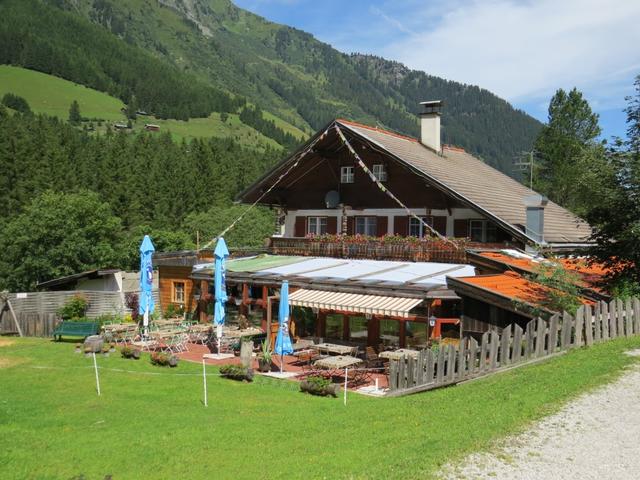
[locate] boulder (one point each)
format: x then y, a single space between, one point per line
93 343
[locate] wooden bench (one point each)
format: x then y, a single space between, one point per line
75 329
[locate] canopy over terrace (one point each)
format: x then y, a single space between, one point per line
352 299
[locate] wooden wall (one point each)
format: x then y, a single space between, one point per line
170 274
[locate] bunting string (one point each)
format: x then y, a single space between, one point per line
299 157
388 192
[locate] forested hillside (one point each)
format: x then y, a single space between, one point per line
187 58
150 183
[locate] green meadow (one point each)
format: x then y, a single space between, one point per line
150 422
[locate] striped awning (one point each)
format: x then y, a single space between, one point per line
353 302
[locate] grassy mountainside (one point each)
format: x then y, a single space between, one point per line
237 56
53 96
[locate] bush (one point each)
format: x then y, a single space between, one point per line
132 302
16 103
236 372
173 310
74 309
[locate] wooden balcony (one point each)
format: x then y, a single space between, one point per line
394 248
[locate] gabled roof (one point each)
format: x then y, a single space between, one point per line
68 279
460 173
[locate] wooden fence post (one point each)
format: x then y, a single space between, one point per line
473 353
493 350
505 342
440 364
588 326
579 326
636 315
462 360
484 348
628 318
604 313
553 333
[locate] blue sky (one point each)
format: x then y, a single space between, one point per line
521 50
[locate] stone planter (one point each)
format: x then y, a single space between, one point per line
331 390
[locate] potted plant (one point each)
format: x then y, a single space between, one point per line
78 348
112 347
105 350
264 360
128 351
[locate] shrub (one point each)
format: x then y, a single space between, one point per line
173 310
132 302
16 102
74 308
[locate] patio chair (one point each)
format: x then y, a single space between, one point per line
371 359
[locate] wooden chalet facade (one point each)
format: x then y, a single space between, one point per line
325 190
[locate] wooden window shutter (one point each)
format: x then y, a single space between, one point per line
461 228
382 224
440 225
300 227
401 225
350 225
332 225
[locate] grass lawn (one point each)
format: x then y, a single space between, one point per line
54 426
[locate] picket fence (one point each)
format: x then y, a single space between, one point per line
512 347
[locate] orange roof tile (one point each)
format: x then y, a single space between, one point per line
591 273
514 286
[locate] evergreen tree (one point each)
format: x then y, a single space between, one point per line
74 113
571 130
615 215
16 103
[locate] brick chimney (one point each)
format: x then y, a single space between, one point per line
430 124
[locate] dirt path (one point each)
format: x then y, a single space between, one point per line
597 436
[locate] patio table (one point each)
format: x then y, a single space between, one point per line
119 327
163 334
333 348
398 354
337 362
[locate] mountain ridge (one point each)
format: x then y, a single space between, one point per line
303 81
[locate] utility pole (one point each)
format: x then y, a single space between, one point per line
526 161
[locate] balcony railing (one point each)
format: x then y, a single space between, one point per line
403 249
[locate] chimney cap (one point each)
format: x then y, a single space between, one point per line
432 106
535 200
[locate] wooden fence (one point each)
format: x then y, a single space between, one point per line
513 346
36 311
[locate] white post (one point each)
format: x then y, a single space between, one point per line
281 363
219 335
346 370
376 384
95 366
145 324
204 380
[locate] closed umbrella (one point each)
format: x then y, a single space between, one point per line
283 341
146 304
221 253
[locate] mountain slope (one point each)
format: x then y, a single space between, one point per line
293 76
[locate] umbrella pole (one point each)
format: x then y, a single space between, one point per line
145 324
281 362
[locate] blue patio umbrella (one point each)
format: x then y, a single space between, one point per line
283 340
145 303
220 253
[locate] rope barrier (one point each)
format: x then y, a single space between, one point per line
390 194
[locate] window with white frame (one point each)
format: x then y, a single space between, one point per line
482 231
317 225
367 226
346 175
178 292
380 172
417 228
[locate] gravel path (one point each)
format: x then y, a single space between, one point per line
597 436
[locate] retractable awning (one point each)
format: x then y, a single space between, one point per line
353 302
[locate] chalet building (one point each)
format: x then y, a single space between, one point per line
324 190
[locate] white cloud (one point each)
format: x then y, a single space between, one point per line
525 50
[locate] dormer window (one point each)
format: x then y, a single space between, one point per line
346 175
380 172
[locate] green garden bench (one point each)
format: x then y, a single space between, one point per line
75 329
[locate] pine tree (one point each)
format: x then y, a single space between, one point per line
74 113
571 130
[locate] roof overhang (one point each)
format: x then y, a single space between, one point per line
68 279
